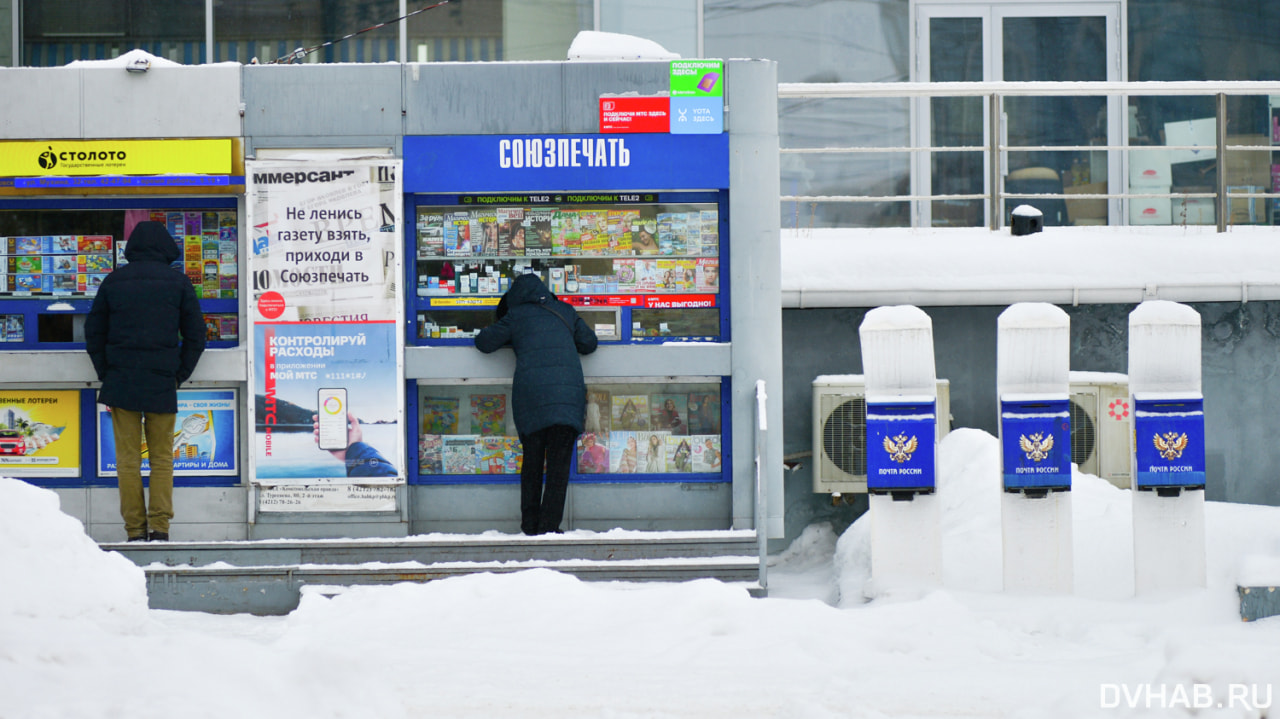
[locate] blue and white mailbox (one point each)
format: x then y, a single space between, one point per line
901 442
1036 436
1169 442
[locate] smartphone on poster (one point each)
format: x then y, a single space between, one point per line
331 409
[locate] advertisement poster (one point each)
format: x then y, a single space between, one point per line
324 267
40 433
204 436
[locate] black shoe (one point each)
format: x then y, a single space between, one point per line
158 537
139 538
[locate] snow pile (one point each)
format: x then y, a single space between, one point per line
126 60
594 46
54 570
536 644
969 490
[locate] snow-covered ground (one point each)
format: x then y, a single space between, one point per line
77 639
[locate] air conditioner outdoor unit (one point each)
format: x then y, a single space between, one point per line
1102 426
840 431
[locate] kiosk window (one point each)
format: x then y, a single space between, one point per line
631 429
69 252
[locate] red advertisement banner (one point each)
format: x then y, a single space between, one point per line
635 114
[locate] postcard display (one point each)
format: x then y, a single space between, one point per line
640 265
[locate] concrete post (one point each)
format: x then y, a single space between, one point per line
1033 351
1168 496
898 365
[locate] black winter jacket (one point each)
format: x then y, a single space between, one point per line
133 329
547 336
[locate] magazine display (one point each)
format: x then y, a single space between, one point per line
439 415
667 412
488 414
462 454
653 452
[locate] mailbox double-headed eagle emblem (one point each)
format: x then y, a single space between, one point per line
1036 446
900 448
1170 444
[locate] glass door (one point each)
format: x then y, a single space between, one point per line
1024 42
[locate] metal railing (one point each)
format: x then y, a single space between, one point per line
995 149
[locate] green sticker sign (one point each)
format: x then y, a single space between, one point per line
697 78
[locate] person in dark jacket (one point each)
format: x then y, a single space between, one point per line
548 393
144 334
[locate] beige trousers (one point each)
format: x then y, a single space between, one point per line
129 427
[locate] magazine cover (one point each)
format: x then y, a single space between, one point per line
431 454
510 230
484 233
439 415
625 271
513 453
679 454
461 454
430 235
671 233
666 276
457 234
667 412
710 232
493 455
703 415
564 233
706 452
537 236
598 411
646 275
619 223
593 453
624 452
630 412
653 452
707 277
692 234
488 414
686 275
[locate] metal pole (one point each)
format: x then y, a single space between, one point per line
762 534
993 154
1224 204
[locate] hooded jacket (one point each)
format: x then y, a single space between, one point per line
547 336
139 315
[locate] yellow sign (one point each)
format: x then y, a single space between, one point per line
40 433
64 158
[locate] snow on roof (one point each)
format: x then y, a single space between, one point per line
861 267
593 46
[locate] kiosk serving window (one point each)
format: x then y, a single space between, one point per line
644 431
638 266
64 253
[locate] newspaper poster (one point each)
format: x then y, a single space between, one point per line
324 271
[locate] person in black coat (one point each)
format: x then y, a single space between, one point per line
548 393
144 334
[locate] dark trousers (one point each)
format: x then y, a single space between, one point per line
542 509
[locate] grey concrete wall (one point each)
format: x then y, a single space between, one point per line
200 513
99 103
599 507
1240 355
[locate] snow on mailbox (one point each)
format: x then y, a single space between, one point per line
1036 436
1169 441
901 443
